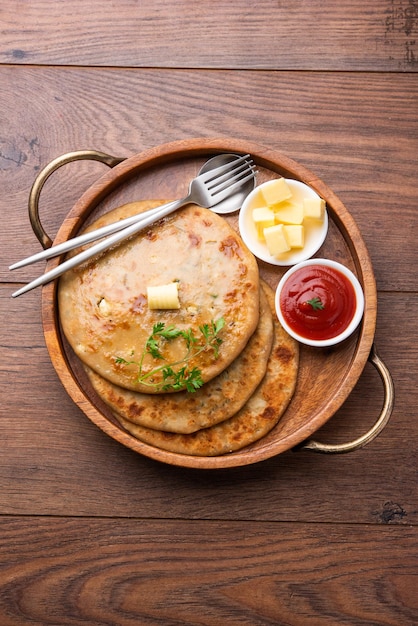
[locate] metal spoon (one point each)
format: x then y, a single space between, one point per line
228 205
234 202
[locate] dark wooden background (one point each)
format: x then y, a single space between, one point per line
92 533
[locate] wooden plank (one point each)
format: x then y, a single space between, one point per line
54 461
236 34
358 132
94 533
73 571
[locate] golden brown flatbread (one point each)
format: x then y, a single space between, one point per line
103 304
254 420
216 401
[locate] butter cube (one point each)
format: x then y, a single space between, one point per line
263 218
295 235
314 208
276 240
276 191
164 296
288 213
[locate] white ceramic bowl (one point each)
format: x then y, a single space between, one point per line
315 231
358 310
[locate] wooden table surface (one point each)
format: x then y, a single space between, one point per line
94 533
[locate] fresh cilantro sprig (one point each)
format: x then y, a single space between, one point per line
316 304
176 378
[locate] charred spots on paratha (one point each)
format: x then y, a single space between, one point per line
231 247
195 240
139 304
284 354
268 414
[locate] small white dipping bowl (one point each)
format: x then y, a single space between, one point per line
315 231
359 305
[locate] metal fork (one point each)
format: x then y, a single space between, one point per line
104 231
206 190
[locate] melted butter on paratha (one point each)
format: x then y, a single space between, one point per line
253 421
216 401
103 306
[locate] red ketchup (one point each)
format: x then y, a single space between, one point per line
318 302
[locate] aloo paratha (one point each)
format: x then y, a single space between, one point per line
216 401
103 303
253 421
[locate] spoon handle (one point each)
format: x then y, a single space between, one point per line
93 235
101 246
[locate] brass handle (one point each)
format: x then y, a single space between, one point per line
43 176
379 425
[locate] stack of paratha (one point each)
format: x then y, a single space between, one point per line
247 374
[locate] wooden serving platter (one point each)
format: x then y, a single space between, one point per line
326 376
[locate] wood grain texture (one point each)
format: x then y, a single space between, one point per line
315 35
92 533
134 571
55 462
358 133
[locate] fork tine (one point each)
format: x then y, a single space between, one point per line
224 180
223 169
229 189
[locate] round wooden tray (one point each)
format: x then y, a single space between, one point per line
326 377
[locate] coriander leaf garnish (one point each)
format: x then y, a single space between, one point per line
119 359
315 303
191 380
173 378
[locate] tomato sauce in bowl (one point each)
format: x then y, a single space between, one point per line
319 302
